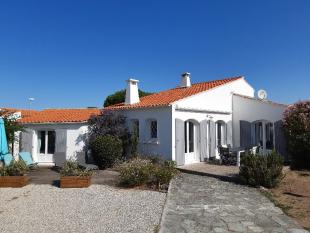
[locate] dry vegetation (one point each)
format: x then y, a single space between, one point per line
293 196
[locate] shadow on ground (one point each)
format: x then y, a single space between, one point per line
221 172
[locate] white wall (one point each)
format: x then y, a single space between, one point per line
198 117
218 98
75 139
162 146
250 110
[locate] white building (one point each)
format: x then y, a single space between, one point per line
189 122
54 135
186 124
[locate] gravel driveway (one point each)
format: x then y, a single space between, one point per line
99 208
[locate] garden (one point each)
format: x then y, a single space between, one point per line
288 187
113 145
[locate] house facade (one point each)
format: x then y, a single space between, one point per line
53 136
186 124
189 123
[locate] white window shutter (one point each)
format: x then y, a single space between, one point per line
203 140
212 139
229 133
179 142
60 155
26 142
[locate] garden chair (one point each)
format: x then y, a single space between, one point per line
27 158
226 156
7 159
254 150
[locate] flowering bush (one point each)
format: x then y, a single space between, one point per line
135 172
72 168
296 124
144 171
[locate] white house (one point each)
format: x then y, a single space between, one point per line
186 123
189 122
53 135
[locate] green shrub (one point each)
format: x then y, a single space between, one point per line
106 150
16 168
163 173
261 170
135 172
144 171
72 168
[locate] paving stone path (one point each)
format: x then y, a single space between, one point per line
204 204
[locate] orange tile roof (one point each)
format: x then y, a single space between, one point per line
56 115
165 98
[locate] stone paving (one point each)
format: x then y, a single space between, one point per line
205 204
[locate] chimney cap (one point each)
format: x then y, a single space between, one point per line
186 74
132 80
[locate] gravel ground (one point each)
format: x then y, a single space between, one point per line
99 208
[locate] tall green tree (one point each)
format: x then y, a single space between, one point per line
119 97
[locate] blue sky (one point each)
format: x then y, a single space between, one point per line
74 53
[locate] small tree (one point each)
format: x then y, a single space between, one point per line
296 124
107 149
11 127
110 123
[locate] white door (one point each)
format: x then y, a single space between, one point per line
191 135
46 146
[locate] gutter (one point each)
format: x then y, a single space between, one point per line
183 109
52 123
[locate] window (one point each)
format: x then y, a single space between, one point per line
46 142
153 128
258 134
269 136
189 136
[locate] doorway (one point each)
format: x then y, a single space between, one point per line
46 146
190 142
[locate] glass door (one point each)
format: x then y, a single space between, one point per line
46 146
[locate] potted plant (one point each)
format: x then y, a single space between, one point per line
72 175
14 175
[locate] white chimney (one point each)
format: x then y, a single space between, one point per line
132 93
186 81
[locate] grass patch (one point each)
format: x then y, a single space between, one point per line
284 208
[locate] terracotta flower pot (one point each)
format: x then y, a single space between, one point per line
13 181
75 181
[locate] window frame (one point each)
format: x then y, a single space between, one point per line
189 137
151 129
46 141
